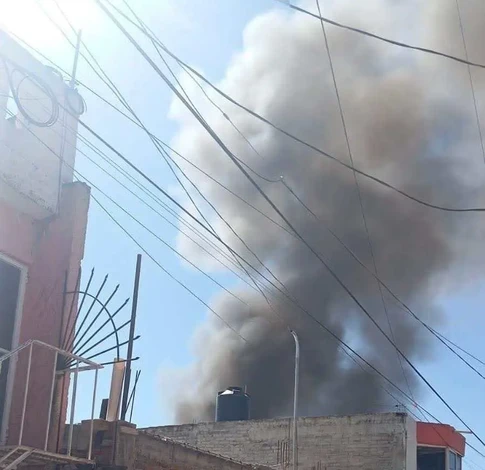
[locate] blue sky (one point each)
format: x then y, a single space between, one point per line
207 35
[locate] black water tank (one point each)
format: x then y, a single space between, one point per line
232 404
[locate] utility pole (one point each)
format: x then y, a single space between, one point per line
72 83
126 388
295 400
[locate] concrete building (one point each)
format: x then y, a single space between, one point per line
43 217
391 441
133 449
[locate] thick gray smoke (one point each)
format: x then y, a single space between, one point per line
411 122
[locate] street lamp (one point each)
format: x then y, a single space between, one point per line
295 400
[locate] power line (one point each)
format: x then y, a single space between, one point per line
345 345
257 116
278 211
470 76
405 307
359 192
182 220
180 283
317 321
161 150
459 347
293 137
281 180
336 337
144 226
201 118
380 38
168 273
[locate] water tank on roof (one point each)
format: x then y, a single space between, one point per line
232 404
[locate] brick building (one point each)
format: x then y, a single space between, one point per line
43 216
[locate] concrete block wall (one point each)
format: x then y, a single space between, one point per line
363 442
153 453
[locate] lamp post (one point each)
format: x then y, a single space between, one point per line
295 400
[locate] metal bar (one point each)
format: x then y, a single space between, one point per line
79 310
93 303
103 307
19 459
72 83
53 348
54 368
65 353
295 402
26 393
134 306
91 426
16 350
110 319
104 338
138 373
124 360
114 347
59 421
82 369
7 456
73 409
133 389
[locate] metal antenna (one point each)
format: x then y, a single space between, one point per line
126 389
72 83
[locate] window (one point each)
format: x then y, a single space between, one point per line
431 458
454 461
10 277
451 460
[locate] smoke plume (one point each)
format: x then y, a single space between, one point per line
411 122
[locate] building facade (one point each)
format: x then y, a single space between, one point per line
391 441
43 218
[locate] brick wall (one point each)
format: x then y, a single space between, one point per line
363 442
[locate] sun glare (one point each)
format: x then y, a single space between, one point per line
28 19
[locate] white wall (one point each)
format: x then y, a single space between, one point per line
30 163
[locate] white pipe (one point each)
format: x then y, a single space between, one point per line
115 391
91 426
21 433
295 400
54 368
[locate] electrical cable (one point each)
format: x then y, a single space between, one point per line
316 320
282 227
381 38
201 118
188 161
104 156
148 254
470 76
180 283
459 347
359 192
405 307
334 336
262 119
41 85
221 144
164 154
297 139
